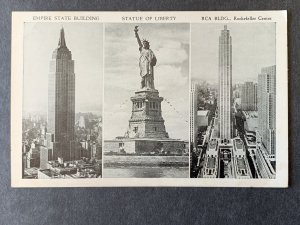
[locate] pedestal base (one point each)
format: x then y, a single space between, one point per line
146 119
144 146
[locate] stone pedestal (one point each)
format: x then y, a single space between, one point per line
146 119
146 133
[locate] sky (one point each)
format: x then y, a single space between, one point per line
170 44
85 41
253 47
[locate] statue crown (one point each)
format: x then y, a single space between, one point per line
145 41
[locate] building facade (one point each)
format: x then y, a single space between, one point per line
249 96
61 102
267 108
193 112
225 85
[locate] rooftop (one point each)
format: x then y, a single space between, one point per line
202 112
241 164
238 143
49 173
31 171
212 144
251 123
211 162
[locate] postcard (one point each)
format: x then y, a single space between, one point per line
183 99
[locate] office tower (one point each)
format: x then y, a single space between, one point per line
225 85
249 96
255 96
193 112
61 102
267 108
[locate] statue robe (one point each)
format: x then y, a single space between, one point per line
147 62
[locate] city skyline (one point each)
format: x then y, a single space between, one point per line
227 142
85 40
60 134
61 148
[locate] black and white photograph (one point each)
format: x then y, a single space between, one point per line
233 101
149 99
146 101
137 112
62 101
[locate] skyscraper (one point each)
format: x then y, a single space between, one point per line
225 85
61 102
193 112
267 108
249 96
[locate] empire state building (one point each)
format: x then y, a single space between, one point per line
225 85
61 103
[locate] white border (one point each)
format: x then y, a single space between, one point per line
280 17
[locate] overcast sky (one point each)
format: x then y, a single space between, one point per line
84 40
253 47
170 44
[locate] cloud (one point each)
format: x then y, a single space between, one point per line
170 77
172 52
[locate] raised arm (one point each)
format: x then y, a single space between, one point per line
137 36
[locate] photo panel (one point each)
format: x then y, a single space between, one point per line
233 101
62 101
146 100
149 99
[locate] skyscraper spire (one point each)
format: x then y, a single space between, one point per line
62 42
61 103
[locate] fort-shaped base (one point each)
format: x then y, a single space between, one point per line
146 120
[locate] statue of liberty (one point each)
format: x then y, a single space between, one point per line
146 62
